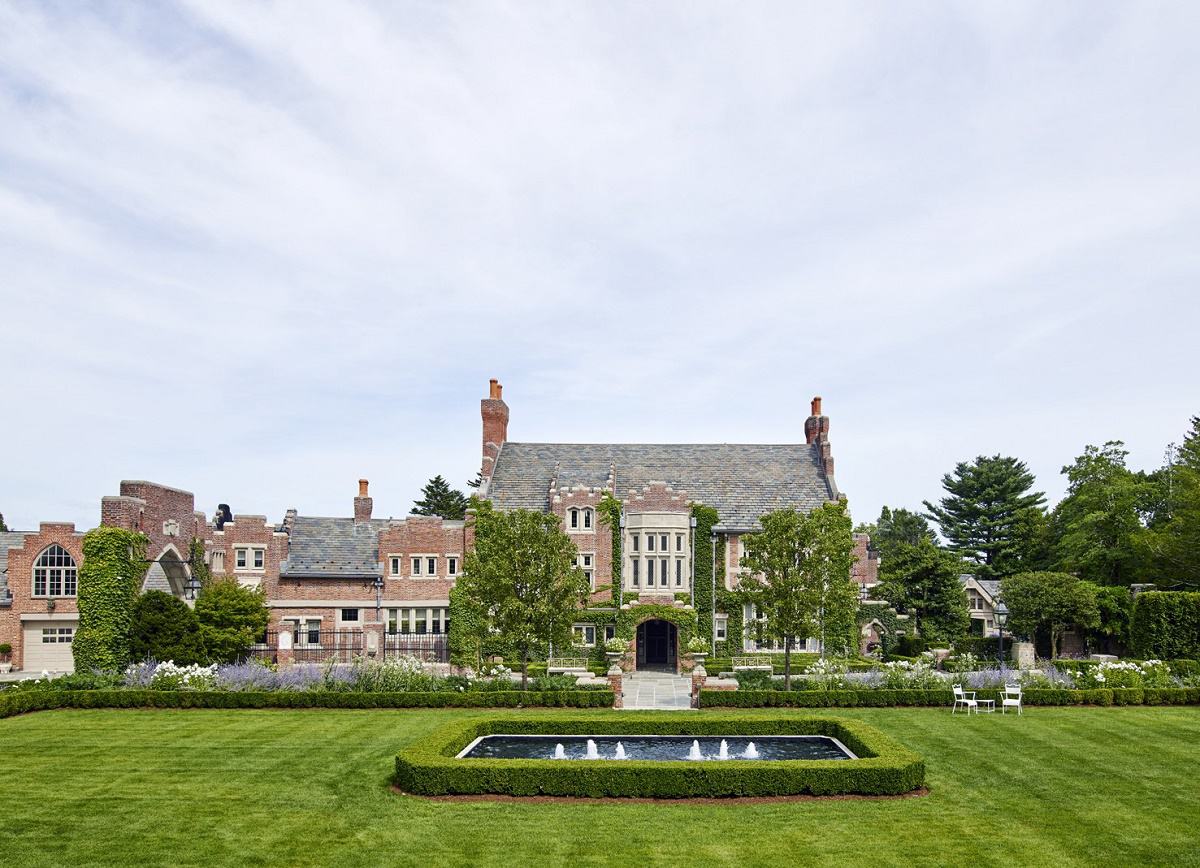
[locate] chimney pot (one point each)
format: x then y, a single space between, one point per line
493 388
362 488
816 406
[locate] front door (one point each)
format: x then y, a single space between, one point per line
656 644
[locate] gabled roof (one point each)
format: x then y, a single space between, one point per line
991 587
333 548
742 482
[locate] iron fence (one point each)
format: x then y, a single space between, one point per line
430 647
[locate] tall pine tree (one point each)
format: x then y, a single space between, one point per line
438 498
3 526
990 517
1175 536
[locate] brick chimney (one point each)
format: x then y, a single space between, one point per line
495 425
362 504
816 427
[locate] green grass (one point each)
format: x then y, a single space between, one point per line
1059 786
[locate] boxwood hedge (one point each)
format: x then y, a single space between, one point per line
20 701
429 766
886 698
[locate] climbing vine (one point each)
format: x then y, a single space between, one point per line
706 519
114 562
609 509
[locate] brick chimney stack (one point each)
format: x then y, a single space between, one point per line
362 504
816 427
495 425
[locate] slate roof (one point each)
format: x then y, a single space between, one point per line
991 587
742 482
333 548
7 539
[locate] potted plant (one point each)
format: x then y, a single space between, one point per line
614 649
697 648
5 657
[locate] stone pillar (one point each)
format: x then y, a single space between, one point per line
615 677
1024 655
373 639
698 677
283 653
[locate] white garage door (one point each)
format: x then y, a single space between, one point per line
48 646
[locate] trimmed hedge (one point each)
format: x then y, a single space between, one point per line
1165 625
429 766
938 698
20 701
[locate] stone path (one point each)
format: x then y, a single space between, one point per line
657 690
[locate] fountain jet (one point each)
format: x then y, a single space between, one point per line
724 752
694 753
620 754
559 751
592 753
751 752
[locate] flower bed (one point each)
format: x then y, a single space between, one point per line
429 766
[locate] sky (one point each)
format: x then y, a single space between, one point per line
259 251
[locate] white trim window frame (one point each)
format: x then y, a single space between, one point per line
250 558
452 564
55 573
394 562
424 565
581 633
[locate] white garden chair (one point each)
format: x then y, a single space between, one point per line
1012 698
964 699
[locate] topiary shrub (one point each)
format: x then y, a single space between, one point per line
165 628
1165 625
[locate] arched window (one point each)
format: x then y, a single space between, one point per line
54 574
587 518
574 518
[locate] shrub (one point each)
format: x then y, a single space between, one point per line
165 628
754 679
429 766
1165 624
231 617
917 698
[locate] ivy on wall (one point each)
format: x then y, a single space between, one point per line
887 618
114 562
609 509
706 518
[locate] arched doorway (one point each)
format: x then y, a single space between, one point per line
657 643
169 573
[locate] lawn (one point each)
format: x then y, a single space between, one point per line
1059 786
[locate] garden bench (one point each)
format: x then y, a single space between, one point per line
752 664
563 665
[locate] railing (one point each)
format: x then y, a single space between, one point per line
430 647
565 664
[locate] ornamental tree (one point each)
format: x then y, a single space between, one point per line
438 498
799 576
231 617
1049 602
922 581
989 515
521 579
114 562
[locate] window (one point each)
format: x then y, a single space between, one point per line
678 572
395 568
587 518
636 540
610 632
218 563
574 517
245 556
349 616
662 572
416 566
392 620
649 542
54 573
649 572
57 635
452 566
435 620
663 540
584 562
240 558
636 565
722 624
419 622
431 563
678 542
585 634
260 559
306 631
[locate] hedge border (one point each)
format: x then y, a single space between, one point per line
941 698
14 702
429 766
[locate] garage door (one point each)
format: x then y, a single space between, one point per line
48 646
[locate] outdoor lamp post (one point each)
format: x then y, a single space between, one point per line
191 587
378 596
1001 620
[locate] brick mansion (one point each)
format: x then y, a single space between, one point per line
388 581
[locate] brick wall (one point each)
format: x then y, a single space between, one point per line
20 582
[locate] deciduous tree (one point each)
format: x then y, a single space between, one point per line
521 579
1053 602
231 617
799 576
922 581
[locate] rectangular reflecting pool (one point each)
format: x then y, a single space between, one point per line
658 747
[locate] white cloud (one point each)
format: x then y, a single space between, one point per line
259 250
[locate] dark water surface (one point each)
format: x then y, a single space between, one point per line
659 747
